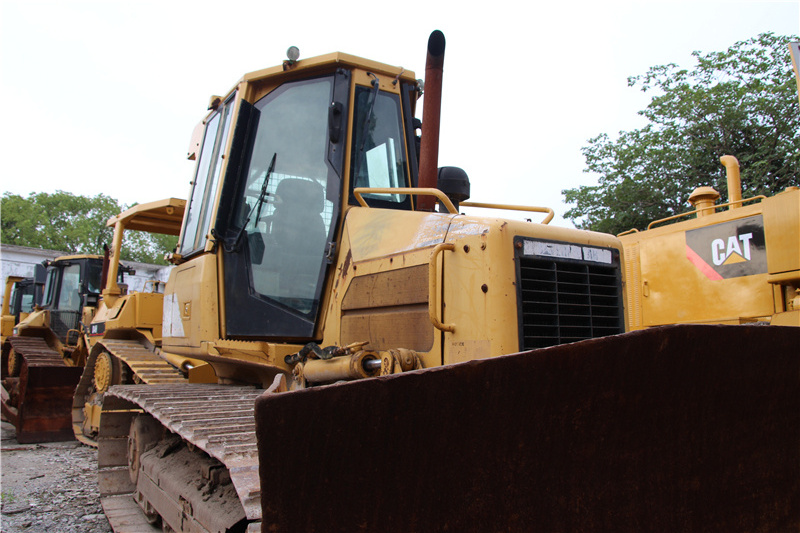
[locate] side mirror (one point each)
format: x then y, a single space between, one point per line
454 182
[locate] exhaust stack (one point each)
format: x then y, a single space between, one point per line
431 111
731 165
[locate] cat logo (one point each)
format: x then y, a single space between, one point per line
730 249
734 253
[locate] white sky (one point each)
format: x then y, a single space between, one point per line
102 96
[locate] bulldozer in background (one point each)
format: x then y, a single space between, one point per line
125 331
310 259
21 297
736 266
733 263
62 358
43 357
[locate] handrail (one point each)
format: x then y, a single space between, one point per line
529 209
740 202
432 288
442 197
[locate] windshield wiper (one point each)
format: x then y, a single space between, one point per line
376 83
261 199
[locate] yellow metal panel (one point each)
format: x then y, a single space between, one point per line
782 227
190 306
381 255
680 292
634 289
480 297
162 216
7 327
789 318
325 61
149 308
382 232
389 309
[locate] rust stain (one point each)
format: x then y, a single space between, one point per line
344 269
346 266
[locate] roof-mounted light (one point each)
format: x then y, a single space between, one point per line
293 53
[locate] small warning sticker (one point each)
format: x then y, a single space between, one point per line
568 251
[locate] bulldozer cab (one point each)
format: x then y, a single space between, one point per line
24 297
71 284
288 180
24 294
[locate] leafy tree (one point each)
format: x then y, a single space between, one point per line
58 221
147 247
75 225
741 102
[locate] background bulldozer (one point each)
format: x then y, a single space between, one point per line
43 357
53 383
125 332
718 266
21 297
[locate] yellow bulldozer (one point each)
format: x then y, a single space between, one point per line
505 394
20 299
303 257
43 357
731 263
90 333
718 266
125 332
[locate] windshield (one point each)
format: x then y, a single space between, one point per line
285 214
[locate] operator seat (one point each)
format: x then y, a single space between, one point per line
299 236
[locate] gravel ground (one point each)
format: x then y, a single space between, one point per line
49 488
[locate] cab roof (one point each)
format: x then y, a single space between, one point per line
336 58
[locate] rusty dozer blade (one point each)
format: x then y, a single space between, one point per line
39 401
680 428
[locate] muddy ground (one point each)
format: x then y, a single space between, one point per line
49 488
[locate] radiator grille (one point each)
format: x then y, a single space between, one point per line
563 301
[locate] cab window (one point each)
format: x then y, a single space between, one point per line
378 157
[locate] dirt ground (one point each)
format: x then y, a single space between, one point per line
49 488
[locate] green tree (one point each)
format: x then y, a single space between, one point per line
147 247
58 221
74 224
741 102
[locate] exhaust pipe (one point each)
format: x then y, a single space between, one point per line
431 111
731 165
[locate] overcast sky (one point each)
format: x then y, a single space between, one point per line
102 96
